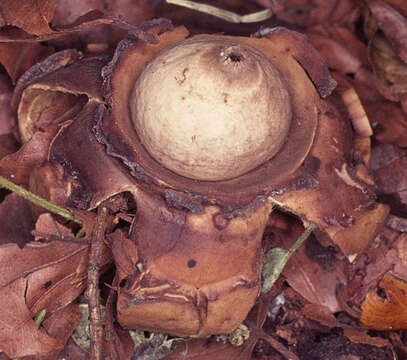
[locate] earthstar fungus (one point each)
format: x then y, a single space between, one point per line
205 132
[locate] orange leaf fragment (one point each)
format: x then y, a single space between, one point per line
388 314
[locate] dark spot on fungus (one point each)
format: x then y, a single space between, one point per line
235 57
225 98
191 263
184 77
47 284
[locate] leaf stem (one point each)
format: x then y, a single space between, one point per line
39 317
55 209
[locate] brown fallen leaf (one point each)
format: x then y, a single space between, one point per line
97 38
60 325
392 23
88 20
45 275
8 143
132 11
399 5
7 117
19 336
19 57
390 122
390 69
17 166
32 16
372 265
391 181
389 313
354 334
340 48
315 281
16 221
204 349
72 351
311 12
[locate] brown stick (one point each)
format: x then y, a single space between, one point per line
95 254
261 334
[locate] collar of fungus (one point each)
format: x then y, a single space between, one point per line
116 129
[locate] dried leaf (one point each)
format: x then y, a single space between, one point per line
19 57
360 337
132 11
86 21
310 12
8 143
392 185
204 349
45 275
17 166
31 16
390 70
389 313
370 267
309 278
19 336
393 25
73 351
339 47
16 221
399 5
389 120
7 118
60 325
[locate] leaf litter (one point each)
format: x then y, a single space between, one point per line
326 303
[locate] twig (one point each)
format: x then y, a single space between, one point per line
55 209
224 14
289 355
93 292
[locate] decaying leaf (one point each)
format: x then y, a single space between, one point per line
19 57
17 166
308 12
391 180
132 11
392 23
188 253
45 275
19 336
390 69
32 16
388 312
314 280
20 221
